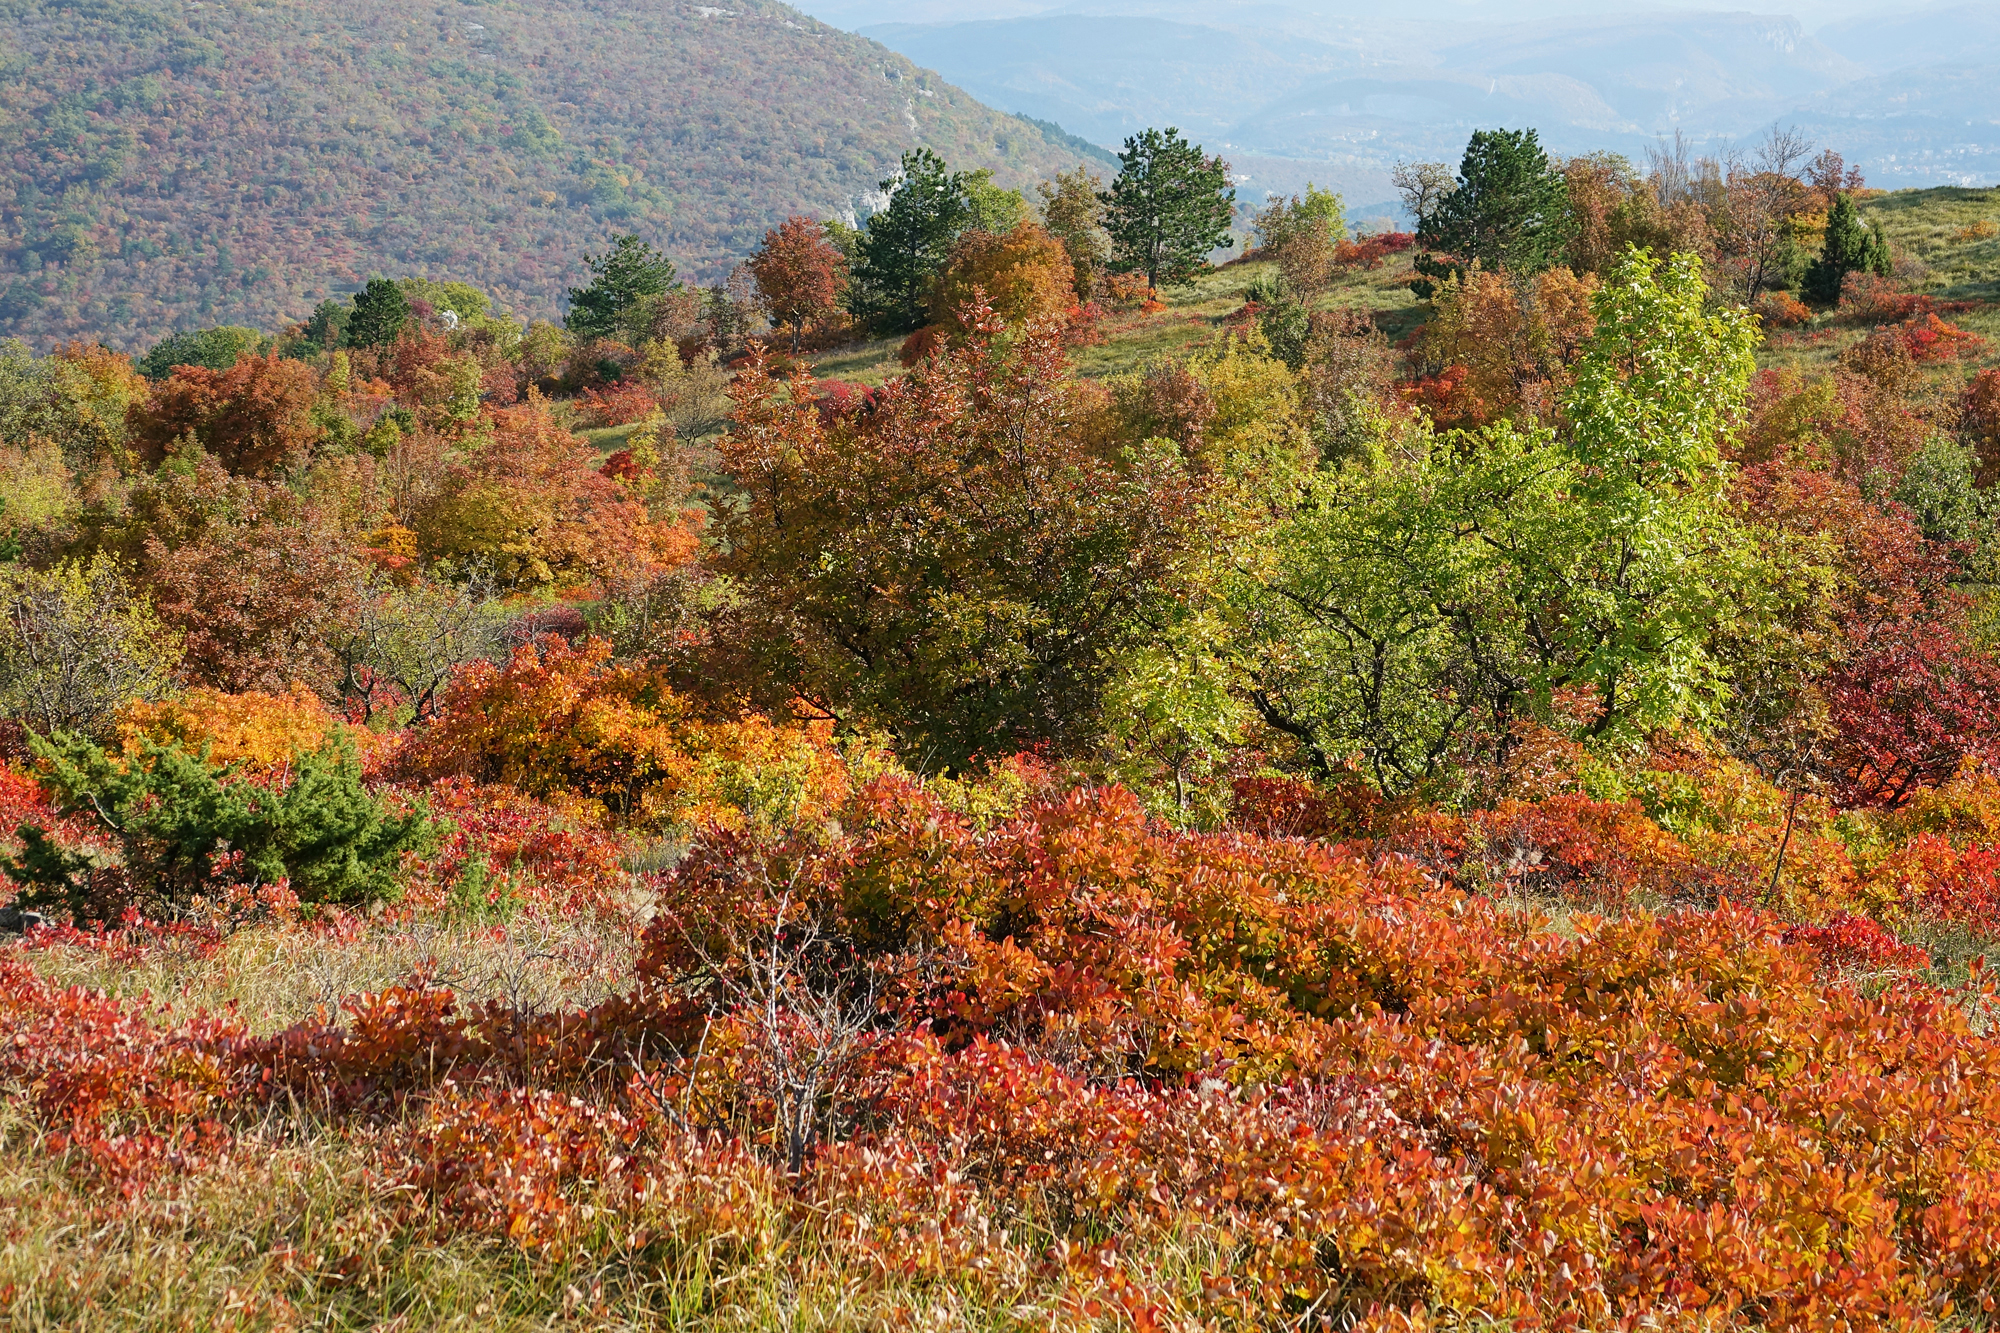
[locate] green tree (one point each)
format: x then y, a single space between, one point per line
1436 591
622 278
962 565
215 349
1939 489
325 329
77 643
1301 235
1169 207
906 245
380 311
1852 246
1510 210
176 816
990 208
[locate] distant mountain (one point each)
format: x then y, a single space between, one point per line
1355 85
171 163
1105 78
1929 125
1386 86
1955 35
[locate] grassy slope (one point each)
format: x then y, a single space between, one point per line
1938 241
1192 317
1939 229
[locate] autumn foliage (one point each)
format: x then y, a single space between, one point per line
1294 831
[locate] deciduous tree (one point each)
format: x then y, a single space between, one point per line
1301 234
527 499
78 642
1438 592
1073 211
1023 275
800 274
960 564
250 575
256 417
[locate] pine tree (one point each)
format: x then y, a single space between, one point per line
380 311
906 244
1510 210
1852 246
631 271
1169 207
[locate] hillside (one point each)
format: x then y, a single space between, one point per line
170 165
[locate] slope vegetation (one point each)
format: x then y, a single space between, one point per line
170 164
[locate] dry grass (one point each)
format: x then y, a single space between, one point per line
274 977
300 1227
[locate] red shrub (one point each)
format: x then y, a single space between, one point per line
1909 708
1448 399
1849 943
618 404
1782 310
522 1163
1369 251
517 854
1925 337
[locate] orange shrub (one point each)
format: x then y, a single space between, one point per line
559 720
263 732
1023 276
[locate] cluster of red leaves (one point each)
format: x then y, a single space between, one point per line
1849 943
126 1099
1925 337
1870 298
1979 414
134 940
1282 807
23 801
1370 251
256 416
1447 399
1911 706
1384 1092
1782 310
1945 880
513 1161
1396 1091
618 404
838 400
1585 851
534 857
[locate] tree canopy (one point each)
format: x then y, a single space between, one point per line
905 244
1510 209
1168 208
622 277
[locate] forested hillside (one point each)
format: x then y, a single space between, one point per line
170 165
